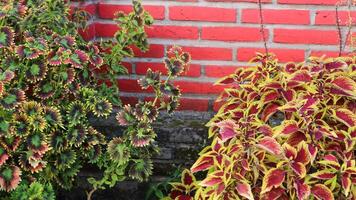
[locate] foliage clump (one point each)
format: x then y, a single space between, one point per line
49 90
284 132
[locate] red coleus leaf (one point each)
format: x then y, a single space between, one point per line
244 190
289 95
345 84
268 111
225 80
175 193
351 170
321 192
212 179
303 190
269 97
336 64
301 76
203 163
299 169
275 194
274 85
345 116
312 152
288 127
309 104
226 129
266 130
295 138
303 155
184 197
272 179
290 68
187 177
270 144
245 164
346 183
289 151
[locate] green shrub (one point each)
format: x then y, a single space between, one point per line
49 90
284 132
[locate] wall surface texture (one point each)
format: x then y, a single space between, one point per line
221 35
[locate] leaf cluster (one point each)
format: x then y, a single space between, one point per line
51 85
285 131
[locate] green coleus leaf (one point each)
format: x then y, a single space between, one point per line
10 176
6 36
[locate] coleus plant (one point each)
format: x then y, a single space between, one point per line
49 89
285 131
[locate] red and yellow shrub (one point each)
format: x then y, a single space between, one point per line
284 132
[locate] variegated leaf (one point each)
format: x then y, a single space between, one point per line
345 84
289 151
299 169
244 190
325 174
203 163
346 183
272 179
321 192
268 111
270 144
288 127
227 129
345 116
213 179
303 190
187 178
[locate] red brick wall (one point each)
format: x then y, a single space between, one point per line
221 35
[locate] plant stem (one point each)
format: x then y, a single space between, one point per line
90 193
262 26
338 28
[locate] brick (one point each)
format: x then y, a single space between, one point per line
193 104
142 67
128 100
283 55
186 0
309 2
105 30
329 17
195 13
154 51
253 1
332 54
173 32
274 16
107 11
131 85
297 36
218 71
209 53
91 8
193 87
232 34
